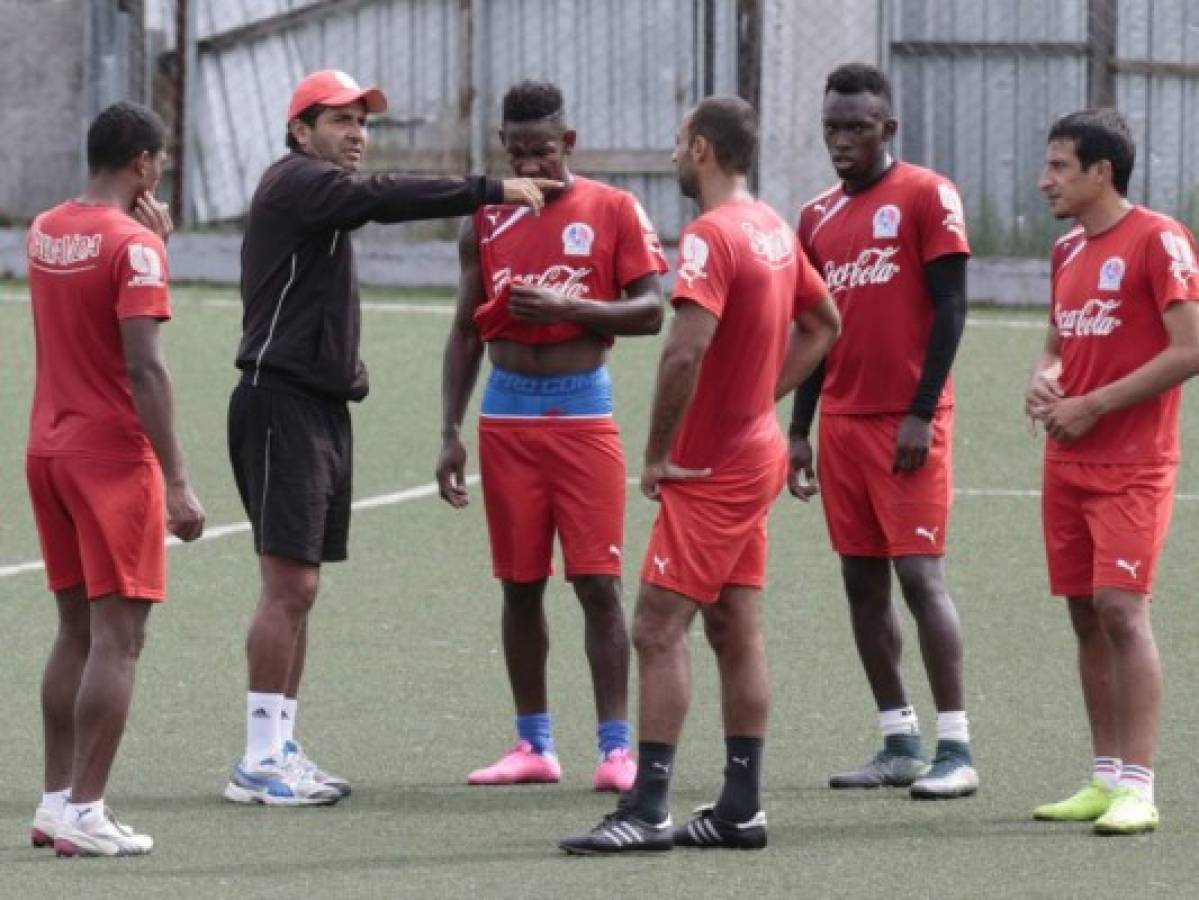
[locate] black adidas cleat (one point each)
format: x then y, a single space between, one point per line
706 830
621 832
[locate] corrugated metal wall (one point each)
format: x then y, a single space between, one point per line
252 55
1162 108
978 83
627 67
793 165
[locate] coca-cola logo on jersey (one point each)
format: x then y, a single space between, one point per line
564 279
776 248
873 266
1093 319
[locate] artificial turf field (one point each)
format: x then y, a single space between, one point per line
405 688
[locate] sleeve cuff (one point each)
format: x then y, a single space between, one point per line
493 191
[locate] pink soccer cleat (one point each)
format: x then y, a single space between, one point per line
520 765
616 771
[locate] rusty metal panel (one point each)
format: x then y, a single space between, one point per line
253 52
625 66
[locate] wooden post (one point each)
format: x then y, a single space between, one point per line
1102 19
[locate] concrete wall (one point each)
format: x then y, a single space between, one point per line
42 116
803 41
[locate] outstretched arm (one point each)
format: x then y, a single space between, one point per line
325 196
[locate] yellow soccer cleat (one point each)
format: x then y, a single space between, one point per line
1086 806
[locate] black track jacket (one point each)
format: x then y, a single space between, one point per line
302 319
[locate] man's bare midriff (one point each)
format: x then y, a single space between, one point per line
579 355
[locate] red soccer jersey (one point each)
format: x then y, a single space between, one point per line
871 248
740 262
89 267
1109 293
589 242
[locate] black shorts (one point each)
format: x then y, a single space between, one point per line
292 460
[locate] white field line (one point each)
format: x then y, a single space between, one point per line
428 490
425 490
220 531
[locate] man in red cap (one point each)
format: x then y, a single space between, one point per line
289 422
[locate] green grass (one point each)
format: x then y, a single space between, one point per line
405 690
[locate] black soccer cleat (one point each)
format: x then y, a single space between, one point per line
707 831
621 832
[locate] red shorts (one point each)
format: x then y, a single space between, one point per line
872 511
553 474
711 532
101 524
1105 525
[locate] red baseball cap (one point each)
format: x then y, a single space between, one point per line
332 87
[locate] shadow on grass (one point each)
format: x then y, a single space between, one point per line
288 869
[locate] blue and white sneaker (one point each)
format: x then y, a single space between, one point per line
278 783
294 751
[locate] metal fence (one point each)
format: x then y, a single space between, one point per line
977 84
979 81
627 67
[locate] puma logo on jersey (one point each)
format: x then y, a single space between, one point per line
661 562
929 533
661 767
742 761
1129 567
614 550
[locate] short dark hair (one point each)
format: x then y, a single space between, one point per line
121 133
532 101
859 78
731 125
308 117
1099 134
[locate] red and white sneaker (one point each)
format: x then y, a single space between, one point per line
520 765
616 772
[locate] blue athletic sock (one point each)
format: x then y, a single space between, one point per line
612 735
538 730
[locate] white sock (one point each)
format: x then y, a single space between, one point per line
1140 779
898 721
1106 770
262 726
55 802
287 719
952 726
81 815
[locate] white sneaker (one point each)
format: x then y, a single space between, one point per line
275 782
45 828
103 836
319 775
